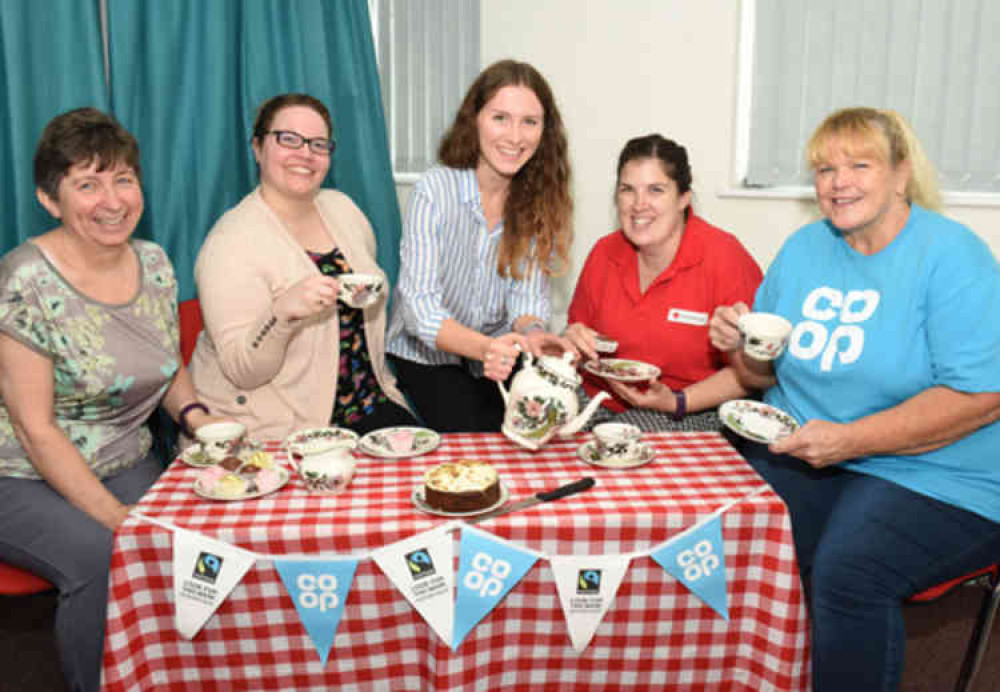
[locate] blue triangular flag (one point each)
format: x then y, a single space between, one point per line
697 559
488 567
319 589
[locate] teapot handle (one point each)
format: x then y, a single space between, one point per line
503 392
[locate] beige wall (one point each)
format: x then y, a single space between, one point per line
621 68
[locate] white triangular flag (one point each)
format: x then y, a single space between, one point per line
587 584
205 571
422 568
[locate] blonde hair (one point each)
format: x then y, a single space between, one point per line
538 212
887 135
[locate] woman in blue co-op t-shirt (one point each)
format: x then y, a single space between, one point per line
893 367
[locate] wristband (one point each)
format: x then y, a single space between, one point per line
183 413
533 326
681 409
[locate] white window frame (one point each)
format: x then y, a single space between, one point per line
741 140
410 177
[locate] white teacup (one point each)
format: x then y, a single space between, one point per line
617 439
604 344
221 440
328 472
764 334
360 290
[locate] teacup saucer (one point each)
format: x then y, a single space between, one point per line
588 452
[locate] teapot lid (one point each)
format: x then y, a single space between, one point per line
560 366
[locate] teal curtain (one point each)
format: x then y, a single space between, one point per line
187 77
52 61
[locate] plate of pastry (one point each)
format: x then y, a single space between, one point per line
246 482
399 442
194 454
757 421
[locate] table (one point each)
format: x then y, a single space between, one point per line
656 635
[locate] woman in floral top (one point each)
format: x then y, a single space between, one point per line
88 349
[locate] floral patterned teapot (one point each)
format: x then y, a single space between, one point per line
542 401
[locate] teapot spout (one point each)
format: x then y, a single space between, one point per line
573 426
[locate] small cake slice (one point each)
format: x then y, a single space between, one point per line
462 486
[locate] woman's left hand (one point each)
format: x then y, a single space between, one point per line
656 396
819 443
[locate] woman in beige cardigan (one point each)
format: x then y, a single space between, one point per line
279 352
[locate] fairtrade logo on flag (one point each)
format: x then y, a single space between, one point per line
488 567
586 584
697 559
319 589
411 565
207 567
205 572
588 581
420 563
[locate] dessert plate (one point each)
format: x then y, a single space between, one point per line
317 440
194 455
399 442
757 421
622 369
588 452
418 501
250 493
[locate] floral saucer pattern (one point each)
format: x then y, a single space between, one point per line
757 421
589 453
622 369
317 440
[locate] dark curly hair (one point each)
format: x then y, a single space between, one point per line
538 212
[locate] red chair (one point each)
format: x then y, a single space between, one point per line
18 582
989 579
191 324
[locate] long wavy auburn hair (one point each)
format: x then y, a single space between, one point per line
538 211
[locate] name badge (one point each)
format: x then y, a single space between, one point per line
698 319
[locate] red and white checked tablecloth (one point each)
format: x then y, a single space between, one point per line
656 634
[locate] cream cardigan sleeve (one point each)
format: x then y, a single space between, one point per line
243 265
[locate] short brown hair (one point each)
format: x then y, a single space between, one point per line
268 110
79 136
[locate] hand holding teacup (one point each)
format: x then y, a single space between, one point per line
588 342
306 297
764 335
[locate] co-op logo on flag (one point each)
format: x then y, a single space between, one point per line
486 575
588 581
419 563
318 591
207 567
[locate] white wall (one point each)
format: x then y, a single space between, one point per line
622 68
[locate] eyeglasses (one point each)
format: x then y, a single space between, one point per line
293 140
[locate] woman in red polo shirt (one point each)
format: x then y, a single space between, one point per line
652 286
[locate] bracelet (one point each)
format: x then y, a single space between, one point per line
682 405
533 326
183 413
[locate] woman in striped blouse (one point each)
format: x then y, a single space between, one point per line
484 232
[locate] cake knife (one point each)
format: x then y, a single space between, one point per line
579 486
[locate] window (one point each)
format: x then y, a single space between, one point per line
428 55
935 61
